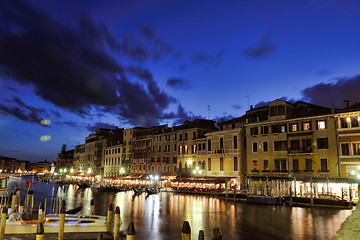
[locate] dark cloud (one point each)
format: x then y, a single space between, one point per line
262 103
74 66
147 31
225 117
237 106
68 66
181 116
100 125
157 46
56 113
23 111
213 60
178 83
134 49
263 49
327 94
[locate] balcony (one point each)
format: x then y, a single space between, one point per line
220 151
301 150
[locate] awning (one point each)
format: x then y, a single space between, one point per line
215 180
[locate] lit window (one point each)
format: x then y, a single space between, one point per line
306 126
321 124
294 127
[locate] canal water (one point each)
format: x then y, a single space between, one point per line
161 216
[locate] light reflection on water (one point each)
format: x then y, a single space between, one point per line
161 216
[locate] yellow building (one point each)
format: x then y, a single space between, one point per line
348 130
225 153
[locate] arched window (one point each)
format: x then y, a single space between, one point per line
209 145
199 147
203 165
221 143
235 142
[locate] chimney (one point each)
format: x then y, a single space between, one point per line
251 107
346 103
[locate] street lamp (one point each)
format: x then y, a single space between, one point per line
197 171
122 171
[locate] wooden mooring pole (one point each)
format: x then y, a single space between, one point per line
109 218
216 234
186 231
92 207
130 232
62 220
117 223
41 212
40 231
3 223
201 235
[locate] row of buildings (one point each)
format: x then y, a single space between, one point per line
279 141
12 165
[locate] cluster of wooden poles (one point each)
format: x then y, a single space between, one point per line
112 223
186 233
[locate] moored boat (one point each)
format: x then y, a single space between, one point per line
73 223
152 190
138 190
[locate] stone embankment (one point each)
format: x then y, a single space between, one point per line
350 228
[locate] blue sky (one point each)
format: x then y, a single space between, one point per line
83 64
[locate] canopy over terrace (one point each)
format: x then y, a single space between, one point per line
204 184
130 180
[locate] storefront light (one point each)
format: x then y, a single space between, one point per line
61 170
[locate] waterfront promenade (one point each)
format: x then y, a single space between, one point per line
161 216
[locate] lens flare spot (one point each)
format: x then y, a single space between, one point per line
45 122
45 138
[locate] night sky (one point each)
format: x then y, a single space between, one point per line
67 67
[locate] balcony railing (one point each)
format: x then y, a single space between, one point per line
302 150
219 151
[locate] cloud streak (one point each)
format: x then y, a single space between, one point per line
211 60
178 83
263 49
23 112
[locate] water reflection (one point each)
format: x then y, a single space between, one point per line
161 216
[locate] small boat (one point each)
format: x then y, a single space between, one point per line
150 191
74 210
138 190
83 185
73 223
